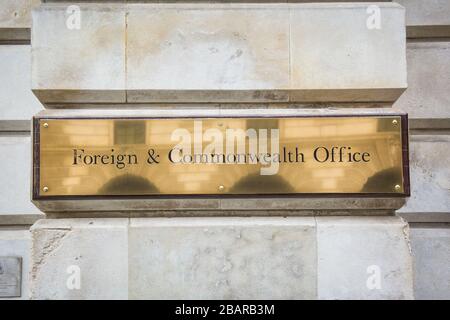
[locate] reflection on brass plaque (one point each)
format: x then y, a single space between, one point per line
10 276
220 156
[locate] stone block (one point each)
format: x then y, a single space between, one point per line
431 250
16 13
427 18
17 243
430 179
222 258
335 56
79 62
427 98
17 101
363 258
15 160
93 251
191 53
15 19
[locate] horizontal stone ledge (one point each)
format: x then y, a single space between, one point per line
363 95
151 53
427 18
20 126
20 219
241 206
220 213
14 36
163 111
428 32
425 124
425 217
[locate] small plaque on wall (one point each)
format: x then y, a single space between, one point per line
114 158
10 277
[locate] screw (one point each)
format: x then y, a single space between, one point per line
397 187
221 188
45 125
45 189
394 121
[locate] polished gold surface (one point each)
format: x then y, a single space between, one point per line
98 157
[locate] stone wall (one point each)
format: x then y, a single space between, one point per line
222 258
231 257
17 105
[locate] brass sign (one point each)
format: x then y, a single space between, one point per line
364 155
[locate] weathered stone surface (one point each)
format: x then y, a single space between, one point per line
191 53
430 179
214 258
17 102
354 250
16 13
15 19
427 18
427 98
223 258
17 243
15 161
96 250
79 65
431 250
333 49
199 49
255 59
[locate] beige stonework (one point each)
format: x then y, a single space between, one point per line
15 19
430 179
430 245
79 65
216 258
96 250
15 159
427 98
234 58
427 18
190 53
364 258
17 102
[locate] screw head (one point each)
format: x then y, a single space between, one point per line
45 125
397 187
221 188
45 189
394 121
